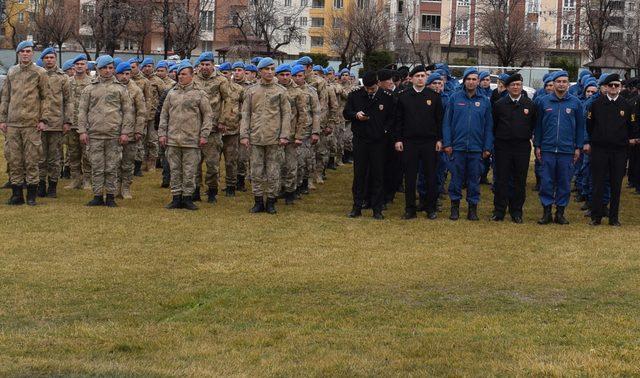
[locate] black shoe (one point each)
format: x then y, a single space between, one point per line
158 163
230 191
422 205
96 201
304 189
409 214
137 168
588 213
271 206
187 203
614 222
258 207
517 219
165 183
211 195
42 189
432 215
196 194
595 222
110 201
366 205
32 191
241 186
546 216
497 217
356 212
66 172
378 215
289 197
17 196
7 185
455 210
472 215
53 189
345 159
332 164
176 203
560 219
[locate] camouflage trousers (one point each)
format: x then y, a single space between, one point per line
24 149
265 170
211 158
125 170
347 137
79 163
65 150
230 150
321 150
51 160
148 148
105 156
183 162
289 178
339 134
332 144
306 160
243 160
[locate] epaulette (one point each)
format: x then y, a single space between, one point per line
281 86
355 88
387 92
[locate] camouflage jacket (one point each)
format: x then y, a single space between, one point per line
266 114
76 86
185 117
61 109
211 86
105 110
232 94
139 107
323 96
168 82
331 115
299 116
312 108
143 83
26 96
156 87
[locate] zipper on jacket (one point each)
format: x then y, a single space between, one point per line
558 128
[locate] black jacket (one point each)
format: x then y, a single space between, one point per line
379 110
610 124
514 123
418 116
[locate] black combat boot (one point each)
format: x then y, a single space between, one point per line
110 201
332 163
241 186
422 204
137 168
560 219
356 211
42 189
377 214
196 194
258 207
176 203
289 197
271 206
96 201
7 185
53 189
32 192
546 216
304 189
158 163
472 215
66 172
455 210
166 182
230 191
17 196
187 203
211 195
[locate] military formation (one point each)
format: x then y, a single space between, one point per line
280 127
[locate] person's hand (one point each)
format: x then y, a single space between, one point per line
162 140
66 128
3 127
222 128
360 116
539 154
586 148
203 141
84 138
315 138
284 142
438 146
124 139
41 126
328 130
633 142
486 154
298 142
576 155
244 142
399 147
448 150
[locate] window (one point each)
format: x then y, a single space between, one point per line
287 3
317 4
567 31
400 6
616 36
302 40
206 45
287 20
317 22
430 22
303 21
533 6
338 4
617 5
317 41
363 3
617 21
568 4
303 3
128 45
21 17
462 27
86 13
464 3
206 20
337 23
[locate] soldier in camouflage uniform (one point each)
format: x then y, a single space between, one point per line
264 125
210 81
129 150
68 69
333 119
156 88
232 93
162 72
24 113
320 149
105 121
141 81
345 139
249 76
59 114
185 125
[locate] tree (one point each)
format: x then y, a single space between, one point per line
369 24
596 19
9 18
341 39
500 23
55 22
144 15
108 23
407 42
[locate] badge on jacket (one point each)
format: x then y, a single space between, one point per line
478 104
381 107
429 102
621 113
568 110
589 115
526 111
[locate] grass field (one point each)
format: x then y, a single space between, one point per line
143 291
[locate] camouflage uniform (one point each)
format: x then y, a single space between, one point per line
150 138
168 82
105 113
345 142
300 121
231 93
266 118
331 122
306 156
185 118
143 83
60 113
320 148
25 101
78 159
243 155
129 150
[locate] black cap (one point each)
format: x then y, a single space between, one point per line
391 66
418 68
385 74
512 78
611 78
369 79
431 67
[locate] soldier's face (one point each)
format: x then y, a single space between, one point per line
267 72
486 82
345 78
49 61
106 71
614 88
134 68
250 75
386 84
172 75
561 84
549 87
238 74
161 73
515 89
471 82
148 69
299 78
590 92
71 71
124 77
372 89
436 86
419 79
80 67
206 68
26 55
226 74
185 76
284 77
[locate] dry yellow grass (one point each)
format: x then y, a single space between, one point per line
143 291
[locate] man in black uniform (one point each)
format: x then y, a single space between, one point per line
370 111
514 119
418 135
610 129
392 163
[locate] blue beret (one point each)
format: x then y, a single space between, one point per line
558 74
255 60
305 61
330 69
583 73
147 61
484 74
441 72
68 64
433 77
186 61
325 71
590 83
91 66
134 60
265 62
123 66
584 79
162 64
39 62
344 71
318 67
602 78
103 61
237 65
469 71
79 58
548 78
206 56
444 67
47 51
23 45
251 68
297 69
225 66
503 77
182 66
283 68
117 61
173 68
